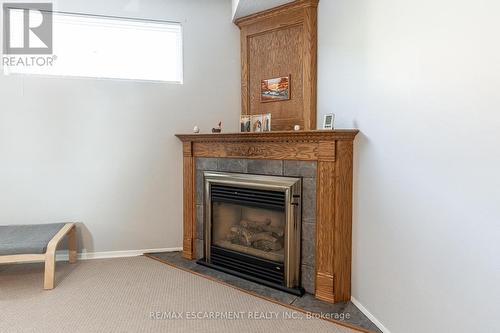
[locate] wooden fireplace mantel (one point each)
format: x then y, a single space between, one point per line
286 145
333 151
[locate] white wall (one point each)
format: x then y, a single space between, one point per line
234 6
103 152
243 8
421 80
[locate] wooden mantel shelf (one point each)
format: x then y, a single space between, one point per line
333 152
285 145
318 135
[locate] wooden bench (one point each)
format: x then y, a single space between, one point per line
38 242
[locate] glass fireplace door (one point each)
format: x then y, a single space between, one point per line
252 227
249 230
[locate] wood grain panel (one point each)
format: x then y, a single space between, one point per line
310 66
245 74
326 150
325 199
187 148
257 150
189 208
343 222
274 54
324 287
281 42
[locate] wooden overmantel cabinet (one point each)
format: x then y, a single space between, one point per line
333 151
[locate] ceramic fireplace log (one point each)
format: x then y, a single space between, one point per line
246 236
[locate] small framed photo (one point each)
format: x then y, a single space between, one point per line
245 123
266 126
275 89
328 121
257 123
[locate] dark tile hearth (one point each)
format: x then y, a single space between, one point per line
347 310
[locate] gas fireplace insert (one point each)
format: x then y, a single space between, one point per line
252 226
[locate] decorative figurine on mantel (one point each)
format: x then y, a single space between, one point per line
196 130
217 129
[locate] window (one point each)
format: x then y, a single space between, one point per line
116 48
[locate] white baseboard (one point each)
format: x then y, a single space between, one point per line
369 315
114 254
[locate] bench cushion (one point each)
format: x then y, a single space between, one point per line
27 239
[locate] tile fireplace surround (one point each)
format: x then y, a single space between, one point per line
304 169
323 159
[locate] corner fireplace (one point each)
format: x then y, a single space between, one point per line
252 227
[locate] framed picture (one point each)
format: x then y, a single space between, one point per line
245 124
266 126
328 121
257 123
275 90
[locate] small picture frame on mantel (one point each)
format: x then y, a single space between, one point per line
266 122
257 122
328 121
245 124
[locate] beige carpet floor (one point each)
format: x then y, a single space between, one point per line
137 295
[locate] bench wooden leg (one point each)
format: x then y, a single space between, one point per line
50 268
72 245
50 256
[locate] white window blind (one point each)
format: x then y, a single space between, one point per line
114 48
